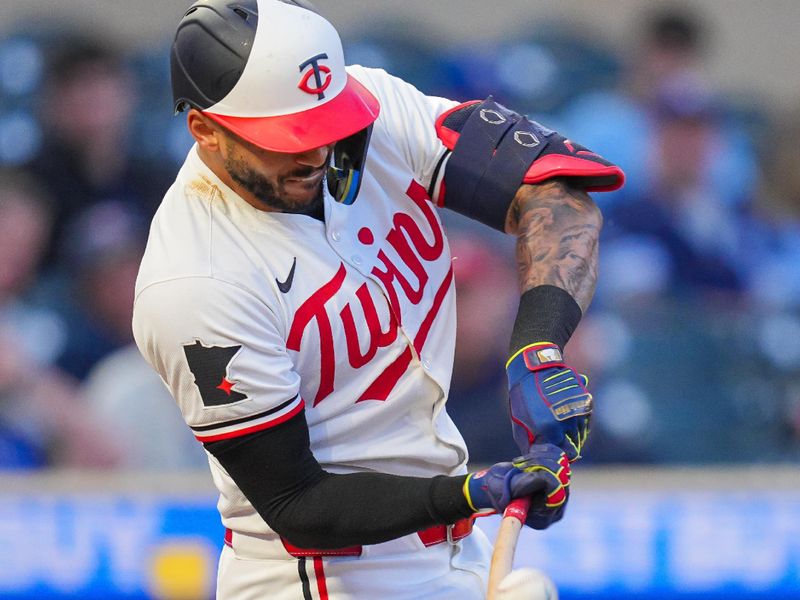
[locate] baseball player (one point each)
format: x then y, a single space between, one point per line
296 296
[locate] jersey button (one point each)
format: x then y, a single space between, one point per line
336 236
357 260
426 364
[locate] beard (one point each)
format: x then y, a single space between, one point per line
273 193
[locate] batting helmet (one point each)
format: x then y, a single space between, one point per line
273 73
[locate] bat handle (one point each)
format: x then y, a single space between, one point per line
518 509
506 543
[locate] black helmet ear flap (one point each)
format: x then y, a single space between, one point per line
211 47
347 166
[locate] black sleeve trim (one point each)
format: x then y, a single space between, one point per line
245 419
435 181
312 508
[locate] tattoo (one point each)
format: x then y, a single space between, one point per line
557 228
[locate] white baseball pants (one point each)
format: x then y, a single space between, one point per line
402 569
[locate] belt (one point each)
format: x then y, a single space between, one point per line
429 537
446 533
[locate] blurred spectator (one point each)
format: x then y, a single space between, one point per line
691 172
25 221
87 109
773 263
103 248
405 49
136 407
671 48
680 217
622 124
534 71
780 197
487 294
42 420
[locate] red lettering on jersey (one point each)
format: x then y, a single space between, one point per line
401 237
420 197
383 385
314 308
377 338
405 233
391 274
413 247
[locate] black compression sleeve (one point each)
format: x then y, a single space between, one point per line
546 314
312 508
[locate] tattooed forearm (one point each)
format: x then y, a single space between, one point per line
557 230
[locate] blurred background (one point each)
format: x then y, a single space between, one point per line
690 485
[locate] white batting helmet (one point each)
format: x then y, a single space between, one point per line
270 71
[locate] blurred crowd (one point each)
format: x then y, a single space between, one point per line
692 344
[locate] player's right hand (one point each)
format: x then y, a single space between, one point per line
543 474
548 400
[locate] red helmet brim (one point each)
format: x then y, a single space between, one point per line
352 110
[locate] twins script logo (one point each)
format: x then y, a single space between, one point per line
317 70
413 248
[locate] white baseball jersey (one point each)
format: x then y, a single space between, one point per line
251 316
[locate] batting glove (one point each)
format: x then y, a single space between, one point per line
548 400
542 474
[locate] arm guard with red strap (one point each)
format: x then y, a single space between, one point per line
495 150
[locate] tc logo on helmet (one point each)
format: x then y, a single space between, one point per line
316 70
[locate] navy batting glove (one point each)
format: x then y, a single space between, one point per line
542 474
548 400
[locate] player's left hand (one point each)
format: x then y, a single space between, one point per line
548 400
543 474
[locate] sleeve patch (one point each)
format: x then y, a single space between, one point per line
209 366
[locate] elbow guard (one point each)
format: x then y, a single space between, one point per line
495 150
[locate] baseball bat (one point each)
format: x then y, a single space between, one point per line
506 543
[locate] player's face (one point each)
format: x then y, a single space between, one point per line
289 183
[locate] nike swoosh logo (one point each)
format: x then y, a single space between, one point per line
285 286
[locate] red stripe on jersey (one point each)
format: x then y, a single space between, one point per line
254 428
385 382
383 385
425 326
319 571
